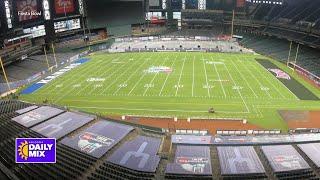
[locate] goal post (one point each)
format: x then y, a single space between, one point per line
5 75
290 48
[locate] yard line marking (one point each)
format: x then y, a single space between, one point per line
155 76
254 77
131 75
244 102
243 78
121 68
193 75
51 85
115 80
268 80
135 85
74 77
71 88
173 62
205 71
224 92
180 75
278 81
96 73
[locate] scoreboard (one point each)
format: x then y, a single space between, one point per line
32 13
27 11
65 7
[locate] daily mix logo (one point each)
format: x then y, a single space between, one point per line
35 150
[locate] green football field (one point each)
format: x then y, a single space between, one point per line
177 84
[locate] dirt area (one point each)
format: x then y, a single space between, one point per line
301 119
211 125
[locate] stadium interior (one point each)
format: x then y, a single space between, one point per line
161 89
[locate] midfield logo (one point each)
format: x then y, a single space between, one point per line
159 69
35 150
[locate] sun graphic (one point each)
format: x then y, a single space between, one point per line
24 150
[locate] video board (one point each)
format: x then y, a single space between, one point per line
35 31
27 11
65 7
67 25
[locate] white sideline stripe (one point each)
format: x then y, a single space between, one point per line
153 110
244 78
180 75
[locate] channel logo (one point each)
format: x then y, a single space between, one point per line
35 150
